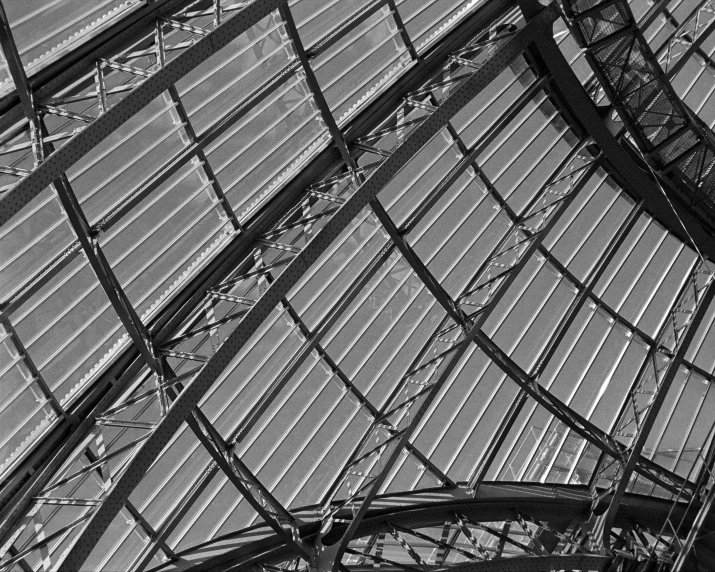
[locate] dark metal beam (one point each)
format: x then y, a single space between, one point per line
700 308
112 502
544 563
80 144
493 502
33 475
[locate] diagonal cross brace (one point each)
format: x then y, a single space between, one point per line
81 546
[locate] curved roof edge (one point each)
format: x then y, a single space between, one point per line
491 502
626 166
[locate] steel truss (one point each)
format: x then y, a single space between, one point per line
677 145
674 142
539 527
182 366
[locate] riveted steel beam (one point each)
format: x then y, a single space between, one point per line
629 173
122 487
80 144
492 502
44 462
701 306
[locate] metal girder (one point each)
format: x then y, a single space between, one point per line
109 387
696 315
114 499
632 176
647 103
543 563
492 502
397 434
81 143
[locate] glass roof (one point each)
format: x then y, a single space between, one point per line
47 29
502 283
679 33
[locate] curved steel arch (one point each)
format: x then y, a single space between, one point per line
168 322
183 406
139 97
566 506
301 263
676 143
647 103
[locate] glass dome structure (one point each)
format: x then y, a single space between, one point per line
350 285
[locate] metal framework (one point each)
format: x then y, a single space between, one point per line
346 268
404 527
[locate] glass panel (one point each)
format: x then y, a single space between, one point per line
384 328
337 268
589 224
420 176
317 18
530 311
31 240
460 232
44 28
266 147
70 329
465 415
224 80
426 20
360 63
477 118
175 227
111 171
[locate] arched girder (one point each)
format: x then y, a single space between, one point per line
81 143
675 143
545 563
66 437
560 506
112 500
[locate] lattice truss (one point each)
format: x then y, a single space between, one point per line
672 138
87 488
